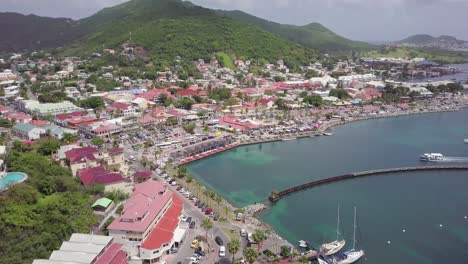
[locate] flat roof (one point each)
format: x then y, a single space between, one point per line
79 257
82 247
94 239
48 261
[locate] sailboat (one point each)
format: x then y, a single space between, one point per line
352 255
333 247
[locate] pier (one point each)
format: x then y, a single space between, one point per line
275 196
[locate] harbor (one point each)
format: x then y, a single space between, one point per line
253 170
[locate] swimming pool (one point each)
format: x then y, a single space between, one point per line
12 178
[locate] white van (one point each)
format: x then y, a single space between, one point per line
222 251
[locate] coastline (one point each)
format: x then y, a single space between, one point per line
252 218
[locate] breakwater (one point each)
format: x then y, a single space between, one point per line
275 196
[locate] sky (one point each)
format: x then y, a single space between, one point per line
367 20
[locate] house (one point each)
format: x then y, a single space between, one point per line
18 117
103 205
81 158
86 248
149 224
28 131
99 175
58 132
99 129
4 109
124 109
141 176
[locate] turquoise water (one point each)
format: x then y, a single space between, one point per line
12 178
418 202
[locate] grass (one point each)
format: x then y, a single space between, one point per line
227 60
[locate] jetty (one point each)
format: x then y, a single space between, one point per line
275 196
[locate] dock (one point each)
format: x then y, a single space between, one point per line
275 196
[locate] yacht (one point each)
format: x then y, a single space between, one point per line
431 157
328 134
333 247
352 255
465 140
287 139
303 244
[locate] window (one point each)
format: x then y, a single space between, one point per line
156 251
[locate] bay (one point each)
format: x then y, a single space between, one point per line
417 202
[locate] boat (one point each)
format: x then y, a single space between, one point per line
287 139
322 261
352 255
328 134
302 243
333 247
431 157
465 140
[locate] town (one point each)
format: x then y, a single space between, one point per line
125 129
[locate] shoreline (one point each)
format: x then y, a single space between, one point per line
254 217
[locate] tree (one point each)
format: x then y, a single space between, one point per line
233 247
97 141
311 74
185 103
182 171
339 93
94 102
314 100
279 78
48 146
259 236
189 128
69 138
207 224
250 255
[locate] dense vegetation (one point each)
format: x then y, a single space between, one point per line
36 216
313 35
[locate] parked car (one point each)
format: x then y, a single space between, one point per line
222 251
188 219
219 241
215 217
208 211
192 225
197 203
195 243
200 252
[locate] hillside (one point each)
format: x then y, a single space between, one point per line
171 28
424 40
432 54
20 32
313 35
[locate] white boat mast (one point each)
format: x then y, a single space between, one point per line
338 225
354 235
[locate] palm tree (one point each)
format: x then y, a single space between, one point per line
233 246
259 236
250 255
207 224
69 138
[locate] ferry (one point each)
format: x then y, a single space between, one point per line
431 157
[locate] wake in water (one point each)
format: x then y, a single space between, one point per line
453 159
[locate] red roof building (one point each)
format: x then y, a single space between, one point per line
150 219
233 121
99 175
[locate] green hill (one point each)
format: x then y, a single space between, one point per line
20 32
313 35
171 28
